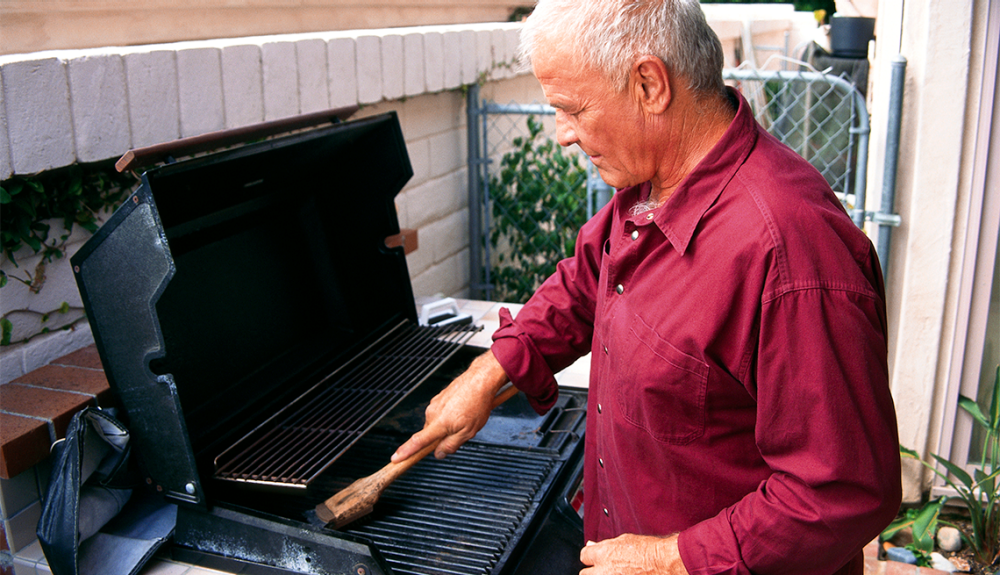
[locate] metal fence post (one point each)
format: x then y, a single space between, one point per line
476 285
894 127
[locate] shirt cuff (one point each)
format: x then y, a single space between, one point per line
524 364
711 547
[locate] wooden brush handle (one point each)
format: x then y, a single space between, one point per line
358 498
392 471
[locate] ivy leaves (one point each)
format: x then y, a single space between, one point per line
74 194
538 205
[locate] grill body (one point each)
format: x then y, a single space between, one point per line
263 343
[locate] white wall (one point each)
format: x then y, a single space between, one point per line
944 44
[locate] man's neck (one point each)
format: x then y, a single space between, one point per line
695 126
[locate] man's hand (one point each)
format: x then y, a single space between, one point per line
457 413
633 554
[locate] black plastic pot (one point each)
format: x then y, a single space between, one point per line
849 36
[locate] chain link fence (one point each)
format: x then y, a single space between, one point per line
529 197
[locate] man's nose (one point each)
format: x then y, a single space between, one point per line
565 134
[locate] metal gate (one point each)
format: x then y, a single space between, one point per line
528 198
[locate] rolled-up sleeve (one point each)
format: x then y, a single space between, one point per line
555 327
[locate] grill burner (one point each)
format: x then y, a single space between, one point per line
306 436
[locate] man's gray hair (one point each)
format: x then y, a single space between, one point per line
609 34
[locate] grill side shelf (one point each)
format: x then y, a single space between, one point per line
308 435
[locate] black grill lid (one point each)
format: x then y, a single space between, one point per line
228 282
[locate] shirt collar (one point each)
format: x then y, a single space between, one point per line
679 216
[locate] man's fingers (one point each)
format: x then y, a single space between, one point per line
415 443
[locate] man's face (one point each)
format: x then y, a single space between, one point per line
603 121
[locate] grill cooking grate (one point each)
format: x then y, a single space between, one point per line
305 437
454 516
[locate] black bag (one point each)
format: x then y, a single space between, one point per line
91 483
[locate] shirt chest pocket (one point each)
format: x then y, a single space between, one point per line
659 388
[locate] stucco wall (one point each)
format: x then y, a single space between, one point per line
944 44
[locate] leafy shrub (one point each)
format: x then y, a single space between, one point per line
538 205
980 492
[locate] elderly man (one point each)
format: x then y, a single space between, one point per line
739 417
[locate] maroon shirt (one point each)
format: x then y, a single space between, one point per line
739 384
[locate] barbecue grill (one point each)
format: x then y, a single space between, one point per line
254 315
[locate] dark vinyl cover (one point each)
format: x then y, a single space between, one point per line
226 283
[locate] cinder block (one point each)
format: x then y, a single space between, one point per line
5 167
11 365
484 52
469 56
39 123
281 81
242 85
43 349
500 67
369 67
447 152
450 235
430 114
199 89
98 100
342 72
18 492
414 80
513 36
436 198
420 160
434 61
420 259
153 111
21 527
449 277
313 90
392 66
452 64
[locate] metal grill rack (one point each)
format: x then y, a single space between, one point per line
455 516
301 440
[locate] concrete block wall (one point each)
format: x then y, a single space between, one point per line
91 105
88 105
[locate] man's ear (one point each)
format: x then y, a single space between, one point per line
650 84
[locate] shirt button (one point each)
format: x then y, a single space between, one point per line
635 235
606 514
600 462
619 288
598 408
649 216
605 350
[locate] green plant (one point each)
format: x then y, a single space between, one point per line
979 491
538 205
74 194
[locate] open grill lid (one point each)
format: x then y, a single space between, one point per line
228 283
